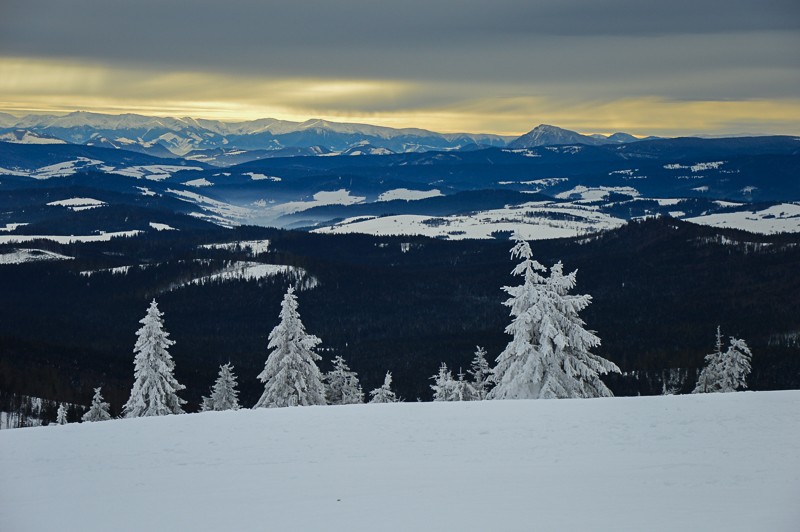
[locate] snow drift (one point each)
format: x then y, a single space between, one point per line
724 462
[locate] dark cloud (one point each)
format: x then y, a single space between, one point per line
322 34
450 51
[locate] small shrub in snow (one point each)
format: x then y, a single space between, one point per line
99 409
341 385
61 414
384 394
725 372
224 395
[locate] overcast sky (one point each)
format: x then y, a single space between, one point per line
668 68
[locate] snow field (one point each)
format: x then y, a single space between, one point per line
22 256
78 204
409 195
532 221
782 218
711 462
102 236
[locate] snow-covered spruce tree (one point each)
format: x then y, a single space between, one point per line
384 394
481 374
341 385
224 395
549 355
443 385
291 376
99 409
155 388
61 414
737 366
725 372
710 376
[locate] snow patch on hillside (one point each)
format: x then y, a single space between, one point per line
254 271
199 183
225 211
11 227
66 168
591 194
533 221
78 204
782 218
253 247
161 227
333 197
711 462
22 256
153 172
261 177
101 236
408 195
28 137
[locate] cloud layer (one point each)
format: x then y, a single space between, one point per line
469 62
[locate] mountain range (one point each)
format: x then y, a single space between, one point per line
337 177
193 138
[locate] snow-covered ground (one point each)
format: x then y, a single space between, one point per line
533 221
252 247
591 194
325 197
11 227
101 236
153 172
261 177
717 462
21 256
78 204
254 271
161 227
203 182
782 218
409 195
228 212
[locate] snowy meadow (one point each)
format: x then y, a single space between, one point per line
725 462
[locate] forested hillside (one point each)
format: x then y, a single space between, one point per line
400 304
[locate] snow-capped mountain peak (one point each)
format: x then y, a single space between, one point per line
547 135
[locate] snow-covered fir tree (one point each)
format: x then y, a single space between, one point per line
737 365
61 414
291 376
711 375
443 385
549 355
481 374
384 394
98 411
155 388
224 395
341 385
725 372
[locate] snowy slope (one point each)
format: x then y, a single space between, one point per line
533 221
725 462
782 218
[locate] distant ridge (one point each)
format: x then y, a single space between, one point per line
170 136
179 136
